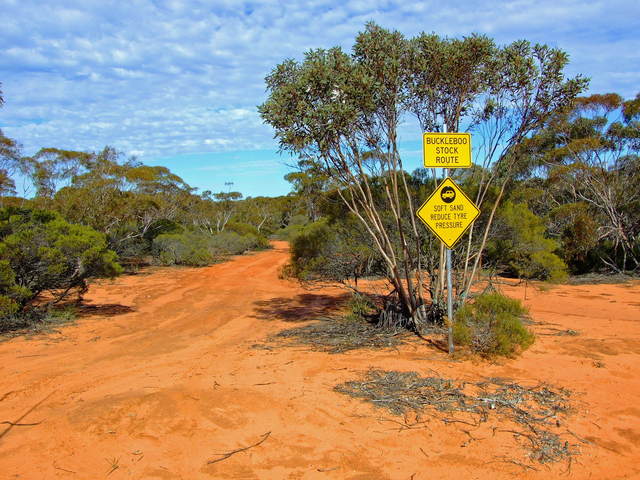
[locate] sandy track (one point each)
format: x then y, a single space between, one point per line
159 375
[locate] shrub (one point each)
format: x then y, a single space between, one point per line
231 243
36 320
41 252
335 251
288 233
492 325
199 249
519 244
360 306
188 248
292 230
242 228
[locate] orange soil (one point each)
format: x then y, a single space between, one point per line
159 375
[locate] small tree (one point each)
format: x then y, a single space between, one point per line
520 244
40 252
591 151
344 110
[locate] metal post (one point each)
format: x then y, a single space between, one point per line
449 282
449 301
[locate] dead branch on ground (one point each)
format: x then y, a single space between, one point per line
224 456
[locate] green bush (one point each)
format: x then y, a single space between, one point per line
296 225
335 251
200 249
188 248
242 229
231 243
288 233
492 325
520 245
41 252
359 307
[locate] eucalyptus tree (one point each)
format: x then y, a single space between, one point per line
591 154
11 161
345 110
122 198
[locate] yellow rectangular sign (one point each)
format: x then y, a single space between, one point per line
446 150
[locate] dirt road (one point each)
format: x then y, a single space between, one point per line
160 375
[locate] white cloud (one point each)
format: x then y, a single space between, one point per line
159 78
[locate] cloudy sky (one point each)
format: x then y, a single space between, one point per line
176 83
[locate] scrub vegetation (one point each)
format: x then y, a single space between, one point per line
552 174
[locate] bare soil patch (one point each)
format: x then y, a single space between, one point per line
159 378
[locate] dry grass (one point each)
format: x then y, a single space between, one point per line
601 279
338 335
536 412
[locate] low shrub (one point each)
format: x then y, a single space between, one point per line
42 253
338 252
241 228
520 246
292 230
188 248
492 325
200 249
230 243
35 320
360 306
287 233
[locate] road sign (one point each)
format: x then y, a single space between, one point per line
448 212
446 150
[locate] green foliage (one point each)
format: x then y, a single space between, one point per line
288 233
519 243
196 248
359 307
492 325
309 249
231 243
40 252
242 229
295 227
188 248
335 251
35 320
578 235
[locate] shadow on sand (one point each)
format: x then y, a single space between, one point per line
301 308
106 309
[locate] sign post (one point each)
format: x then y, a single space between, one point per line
448 212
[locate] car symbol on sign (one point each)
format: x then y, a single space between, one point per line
447 194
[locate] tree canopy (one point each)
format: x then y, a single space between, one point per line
344 110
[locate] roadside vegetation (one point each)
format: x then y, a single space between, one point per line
554 176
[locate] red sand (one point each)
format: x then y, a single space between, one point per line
160 375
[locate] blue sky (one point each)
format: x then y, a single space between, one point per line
177 83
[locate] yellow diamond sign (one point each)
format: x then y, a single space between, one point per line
448 212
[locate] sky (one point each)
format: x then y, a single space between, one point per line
177 83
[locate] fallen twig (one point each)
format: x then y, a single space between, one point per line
514 462
17 421
224 456
20 424
63 469
113 465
